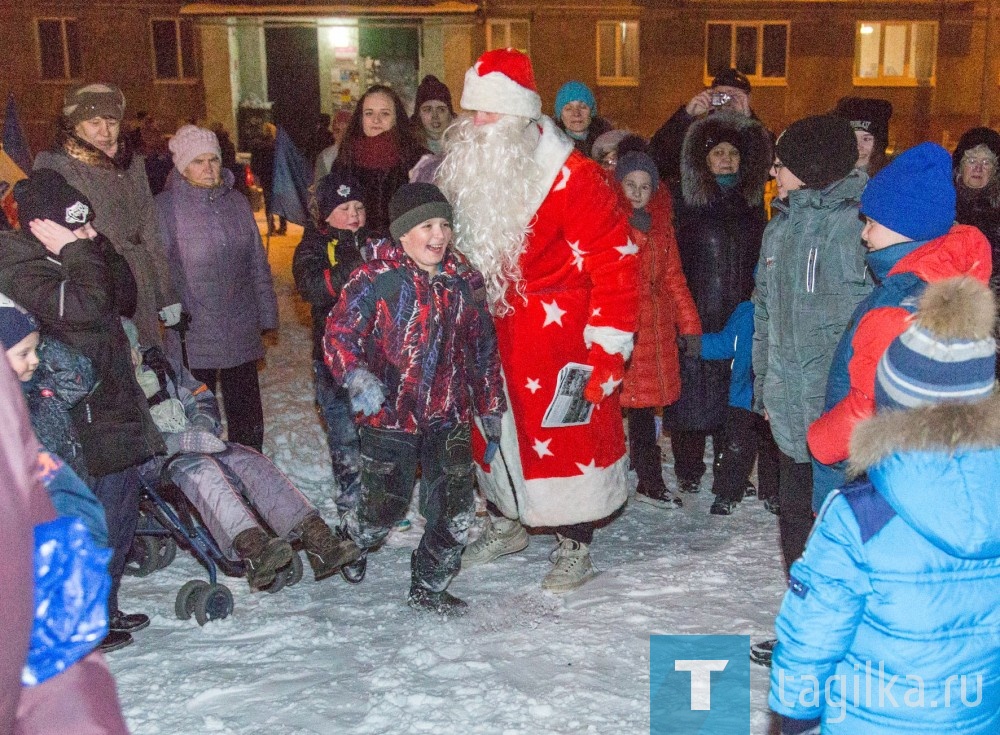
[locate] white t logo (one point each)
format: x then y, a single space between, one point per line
701 679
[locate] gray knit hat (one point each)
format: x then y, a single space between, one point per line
413 204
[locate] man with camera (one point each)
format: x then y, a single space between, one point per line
730 89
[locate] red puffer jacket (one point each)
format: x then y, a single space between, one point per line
666 310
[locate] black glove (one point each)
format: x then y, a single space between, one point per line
689 345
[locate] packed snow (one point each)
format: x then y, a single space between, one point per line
332 658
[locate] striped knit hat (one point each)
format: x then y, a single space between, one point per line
947 355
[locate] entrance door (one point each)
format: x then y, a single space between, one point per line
293 80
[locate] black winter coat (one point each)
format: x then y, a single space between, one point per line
598 127
319 279
981 208
76 300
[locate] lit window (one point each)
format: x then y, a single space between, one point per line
59 48
173 49
618 53
895 53
513 34
759 50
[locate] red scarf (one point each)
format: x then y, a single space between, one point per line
379 152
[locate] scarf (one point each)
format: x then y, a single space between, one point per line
641 220
80 150
727 181
379 152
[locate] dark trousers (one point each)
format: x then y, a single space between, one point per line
389 462
643 451
241 397
795 496
580 532
748 438
689 452
341 437
119 494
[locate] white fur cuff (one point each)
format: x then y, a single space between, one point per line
614 341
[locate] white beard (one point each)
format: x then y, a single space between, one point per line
491 178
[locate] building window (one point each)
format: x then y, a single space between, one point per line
895 53
513 34
618 53
59 48
173 49
759 50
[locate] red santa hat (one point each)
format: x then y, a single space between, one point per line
502 81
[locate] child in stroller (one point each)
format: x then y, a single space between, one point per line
230 485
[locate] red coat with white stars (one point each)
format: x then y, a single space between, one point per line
580 274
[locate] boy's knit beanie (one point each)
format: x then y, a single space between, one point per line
337 187
413 204
819 149
947 355
914 195
575 92
636 161
15 322
46 195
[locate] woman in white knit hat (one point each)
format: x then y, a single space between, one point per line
222 275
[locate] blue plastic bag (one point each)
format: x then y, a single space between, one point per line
71 598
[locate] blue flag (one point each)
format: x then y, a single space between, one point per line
289 190
15 144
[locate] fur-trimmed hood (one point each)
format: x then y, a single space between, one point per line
698 185
939 469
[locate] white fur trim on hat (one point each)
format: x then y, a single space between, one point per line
496 92
190 142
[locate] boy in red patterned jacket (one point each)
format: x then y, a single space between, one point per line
413 342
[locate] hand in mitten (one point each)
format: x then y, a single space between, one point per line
195 441
366 392
609 370
491 429
170 315
689 345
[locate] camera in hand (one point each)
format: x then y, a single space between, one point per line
720 98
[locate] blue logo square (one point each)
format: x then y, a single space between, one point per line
699 684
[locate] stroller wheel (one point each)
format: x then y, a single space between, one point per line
212 602
184 605
143 557
294 571
167 549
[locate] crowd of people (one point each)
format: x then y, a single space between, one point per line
819 309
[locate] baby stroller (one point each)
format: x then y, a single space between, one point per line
167 521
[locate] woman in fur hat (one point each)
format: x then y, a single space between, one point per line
978 187
719 224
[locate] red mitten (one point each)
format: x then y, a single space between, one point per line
607 376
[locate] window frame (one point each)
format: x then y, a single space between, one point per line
619 79
64 37
194 75
894 81
506 23
756 79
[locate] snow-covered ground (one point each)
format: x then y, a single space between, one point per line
332 658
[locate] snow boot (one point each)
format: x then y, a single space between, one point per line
761 653
443 603
723 507
689 486
327 552
661 497
127 622
500 536
262 555
355 571
571 566
115 640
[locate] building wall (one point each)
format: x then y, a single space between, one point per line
116 47
821 60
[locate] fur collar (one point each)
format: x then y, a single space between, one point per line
554 147
698 184
82 151
942 428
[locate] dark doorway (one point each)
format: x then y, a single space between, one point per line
293 80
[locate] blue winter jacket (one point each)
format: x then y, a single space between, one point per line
894 608
735 342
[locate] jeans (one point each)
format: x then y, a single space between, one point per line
341 437
388 473
119 494
241 397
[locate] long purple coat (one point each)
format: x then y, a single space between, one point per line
219 269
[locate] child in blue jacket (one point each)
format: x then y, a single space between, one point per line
748 437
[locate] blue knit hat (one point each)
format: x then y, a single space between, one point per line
914 195
575 92
947 354
15 322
